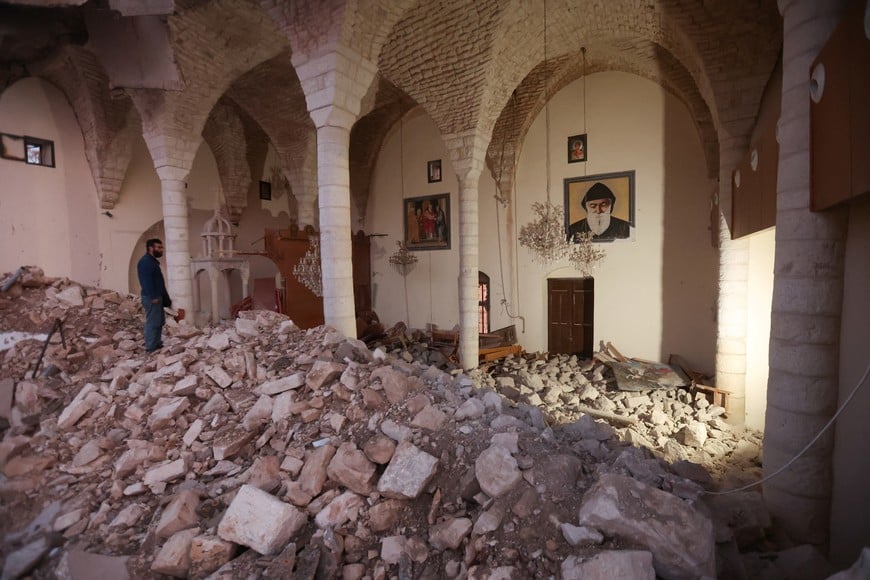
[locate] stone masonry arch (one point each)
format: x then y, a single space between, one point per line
109 123
225 136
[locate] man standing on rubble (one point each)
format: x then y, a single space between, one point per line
154 294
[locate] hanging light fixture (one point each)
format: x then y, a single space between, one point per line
545 236
403 260
308 271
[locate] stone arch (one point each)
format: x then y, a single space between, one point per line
282 115
108 121
225 135
156 230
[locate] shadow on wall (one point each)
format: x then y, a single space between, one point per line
689 260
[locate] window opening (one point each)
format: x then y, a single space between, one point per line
39 152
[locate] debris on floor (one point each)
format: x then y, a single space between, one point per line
254 449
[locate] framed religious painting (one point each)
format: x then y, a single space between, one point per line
602 204
578 148
427 222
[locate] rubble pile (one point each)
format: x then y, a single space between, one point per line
256 449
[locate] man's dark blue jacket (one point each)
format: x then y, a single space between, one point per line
151 279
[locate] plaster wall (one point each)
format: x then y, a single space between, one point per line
850 510
759 296
432 294
669 266
48 216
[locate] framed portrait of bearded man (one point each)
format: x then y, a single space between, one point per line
602 204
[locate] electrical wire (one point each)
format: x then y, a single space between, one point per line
806 447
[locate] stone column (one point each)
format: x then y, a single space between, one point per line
733 289
177 242
467 153
807 298
334 81
333 177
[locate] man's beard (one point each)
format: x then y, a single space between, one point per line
598 222
158 254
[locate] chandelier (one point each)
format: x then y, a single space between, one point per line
307 271
545 236
585 255
403 260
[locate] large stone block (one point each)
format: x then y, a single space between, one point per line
679 536
408 473
260 521
173 559
179 515
497 471
634 564
352 469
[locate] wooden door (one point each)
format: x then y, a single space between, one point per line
569 315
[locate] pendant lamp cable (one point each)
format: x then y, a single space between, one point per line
402 181
547 106
583 52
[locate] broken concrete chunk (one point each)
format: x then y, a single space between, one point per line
322 373
165 410
89 451
379 449
392 548
489 521
384 515
260 521
259 414
352 469
173 559
21 561
192 433
186 386
429 418
396 432
448 535
408 473
219 341
497 471
395 384
576 535
76 409
281 385
228 443
634 564
179 515
166 472
207 554
679 537
79 565
313 473
339 511
71 296
219 376
128 516
470 409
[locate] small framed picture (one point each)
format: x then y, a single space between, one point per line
433 171
577 148
265 190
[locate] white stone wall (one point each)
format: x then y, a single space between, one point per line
48 216
632 124
850 510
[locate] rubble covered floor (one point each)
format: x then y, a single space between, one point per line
255 449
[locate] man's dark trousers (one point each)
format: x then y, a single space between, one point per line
154 319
